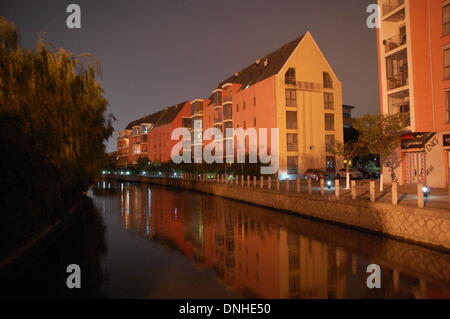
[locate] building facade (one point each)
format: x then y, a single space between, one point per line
414 71
293 89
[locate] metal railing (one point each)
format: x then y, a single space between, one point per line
391 5
306 86
395 42
397 81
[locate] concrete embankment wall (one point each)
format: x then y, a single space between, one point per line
425 226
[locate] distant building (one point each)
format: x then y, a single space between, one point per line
414 73
293 88
347 115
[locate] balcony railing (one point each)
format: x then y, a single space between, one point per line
228 98
306 86
395 42
391 5
397 81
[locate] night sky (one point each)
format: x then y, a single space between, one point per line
159 53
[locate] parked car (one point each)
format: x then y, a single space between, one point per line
368 173
354 173
315 174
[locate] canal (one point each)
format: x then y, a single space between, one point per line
145 241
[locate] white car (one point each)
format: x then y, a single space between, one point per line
355 174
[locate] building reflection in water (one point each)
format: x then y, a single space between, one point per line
261 253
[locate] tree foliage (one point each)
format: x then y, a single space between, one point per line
53 125
380 133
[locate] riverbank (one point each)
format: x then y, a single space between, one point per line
427 226
40 241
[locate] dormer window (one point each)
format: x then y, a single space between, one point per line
289 77
327 81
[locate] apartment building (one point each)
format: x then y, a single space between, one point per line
293 89
414 73
149 137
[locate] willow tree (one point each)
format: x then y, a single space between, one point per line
53 126
381 135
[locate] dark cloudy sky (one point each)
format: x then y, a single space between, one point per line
156 53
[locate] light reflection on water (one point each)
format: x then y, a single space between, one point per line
167 243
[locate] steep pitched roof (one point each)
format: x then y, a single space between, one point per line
152 119
269 65
170 113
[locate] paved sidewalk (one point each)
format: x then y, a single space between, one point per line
407 194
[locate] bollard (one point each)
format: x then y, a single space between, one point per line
287 185
309 186
420 197
242 180
372 191
449 195
394 193
262 181
248 181
336 188
278 184
322 186
353 190
254 181
270 182
298 184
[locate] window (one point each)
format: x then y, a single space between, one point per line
254 121
291 120
245 125
447 93
329 122
292 142
331 163
446 19
292 165
330 142
254 101
217 98
447 64
289 77
327 81
397 70
243 105
144 138
291 97
329 101
237 107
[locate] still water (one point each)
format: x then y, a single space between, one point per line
145 241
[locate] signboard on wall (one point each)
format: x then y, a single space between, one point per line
415 140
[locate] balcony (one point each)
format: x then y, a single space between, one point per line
398 81
306 86
446 29
394 42
391 5
227 99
